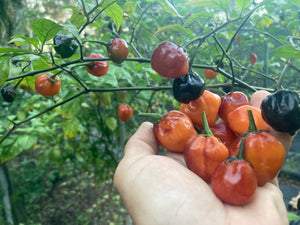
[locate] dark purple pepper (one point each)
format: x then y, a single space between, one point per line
188 88
8 94
65 45
281 111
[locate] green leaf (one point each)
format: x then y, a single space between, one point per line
294 2
111 123
15 50
217 4
168 7
109 78
287 52
4 68
71 108
73 29
25 142
115 12
70 127
129 7
20 40
78 18
196 16
45 29
174 28
293 216
242 4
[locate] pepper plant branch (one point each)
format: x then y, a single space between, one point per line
221 27
17 124
138 21
225 55
241 25
280 78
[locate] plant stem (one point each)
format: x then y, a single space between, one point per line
241 154
205 125
252 126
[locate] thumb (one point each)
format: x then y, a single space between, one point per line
142 143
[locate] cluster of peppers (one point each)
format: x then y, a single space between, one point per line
239 153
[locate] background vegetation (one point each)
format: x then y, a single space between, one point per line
58 154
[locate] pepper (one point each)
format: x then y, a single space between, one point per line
65 45
8 93
263 150
239 122
188 88
208 102
281 111
204 153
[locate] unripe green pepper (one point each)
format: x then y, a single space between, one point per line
281 111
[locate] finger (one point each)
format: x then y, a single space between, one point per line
258 97
143 142
178 157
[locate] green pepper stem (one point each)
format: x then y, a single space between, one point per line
155 116
241 154
252 126
205 125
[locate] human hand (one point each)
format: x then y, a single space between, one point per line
159 190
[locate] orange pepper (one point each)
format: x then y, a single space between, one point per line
208 102
265 153
238 119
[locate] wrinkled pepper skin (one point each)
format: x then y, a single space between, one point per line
8 94
65 45
281 111
188 88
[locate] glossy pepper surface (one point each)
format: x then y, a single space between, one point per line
174 130
208 102
65 45
204 153
281 111
170 60
188 88
238 119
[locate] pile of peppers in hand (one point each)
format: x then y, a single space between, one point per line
241 145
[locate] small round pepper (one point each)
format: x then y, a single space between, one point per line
65 45
238 119
263 150
208 102
188 88
8 93
204 153
281 111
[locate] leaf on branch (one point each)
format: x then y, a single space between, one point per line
196 16
73 29
45 29
78 18
174 28
168 7
15 50
242 4
129 7
4 68
111 123
20 40
216 4
115 12
287 52
70 127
